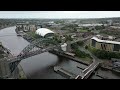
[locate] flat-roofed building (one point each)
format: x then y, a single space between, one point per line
106 45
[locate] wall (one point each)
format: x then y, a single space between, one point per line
104 46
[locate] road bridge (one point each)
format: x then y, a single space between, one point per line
34 48
84 39
88 71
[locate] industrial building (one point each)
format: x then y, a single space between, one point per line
107 45
44 32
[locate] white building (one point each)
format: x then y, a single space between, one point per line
64 47
44 32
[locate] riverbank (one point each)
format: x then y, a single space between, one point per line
4 52
5 27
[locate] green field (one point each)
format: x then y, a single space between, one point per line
87 59
83 30
33 34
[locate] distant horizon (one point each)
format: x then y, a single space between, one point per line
58 14
60 18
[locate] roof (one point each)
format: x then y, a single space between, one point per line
43 31
105 41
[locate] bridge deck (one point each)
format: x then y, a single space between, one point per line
89 70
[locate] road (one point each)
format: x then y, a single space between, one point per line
84 39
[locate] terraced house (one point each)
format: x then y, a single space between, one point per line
107 45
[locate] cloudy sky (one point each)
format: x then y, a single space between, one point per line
59 14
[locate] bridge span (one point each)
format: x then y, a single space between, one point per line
34 48
88 71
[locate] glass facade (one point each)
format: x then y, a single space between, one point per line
116 47
93 43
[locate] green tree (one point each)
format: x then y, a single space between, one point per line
80 43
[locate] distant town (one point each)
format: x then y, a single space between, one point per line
60 48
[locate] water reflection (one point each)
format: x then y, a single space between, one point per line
41 66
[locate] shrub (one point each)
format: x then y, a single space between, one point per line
104 54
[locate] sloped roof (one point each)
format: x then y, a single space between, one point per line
105 41
43 31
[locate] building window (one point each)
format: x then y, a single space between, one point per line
103 46
116 47
93 43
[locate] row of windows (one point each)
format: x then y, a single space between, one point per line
103 46
93 43
116 47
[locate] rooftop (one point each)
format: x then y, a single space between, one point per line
105 41
43 31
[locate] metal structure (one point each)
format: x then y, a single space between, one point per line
88 71
36 47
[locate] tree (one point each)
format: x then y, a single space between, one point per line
105 54
86 47
80 43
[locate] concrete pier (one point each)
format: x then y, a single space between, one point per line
65 72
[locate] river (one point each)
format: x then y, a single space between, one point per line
40 66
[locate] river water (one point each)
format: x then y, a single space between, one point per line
40 66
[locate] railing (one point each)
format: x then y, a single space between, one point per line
88 71
26 53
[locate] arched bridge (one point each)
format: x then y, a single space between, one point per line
34 48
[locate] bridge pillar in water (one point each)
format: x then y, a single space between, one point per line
4 69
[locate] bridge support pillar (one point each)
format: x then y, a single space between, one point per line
4 69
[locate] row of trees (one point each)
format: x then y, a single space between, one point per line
102 54
82 54
33 34
100 27
78 52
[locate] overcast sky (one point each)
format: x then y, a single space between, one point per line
59 14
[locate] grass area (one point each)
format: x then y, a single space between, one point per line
86 59
81 54
83 30
21 73
33 34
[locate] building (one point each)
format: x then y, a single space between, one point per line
44 32
106 45
26 27
110 22
64 47
90 25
